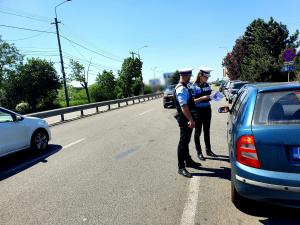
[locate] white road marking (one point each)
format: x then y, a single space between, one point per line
189 211
74 143
150 110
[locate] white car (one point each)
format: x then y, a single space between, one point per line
20 132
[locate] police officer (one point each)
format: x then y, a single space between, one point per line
201 92
184 103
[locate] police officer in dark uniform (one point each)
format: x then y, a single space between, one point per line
201 93
184 103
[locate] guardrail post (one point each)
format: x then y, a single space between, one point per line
97 109
119 104
126 102
133 101
62 117
148 98
81 111
108 106
139 100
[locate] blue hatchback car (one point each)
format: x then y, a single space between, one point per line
263 137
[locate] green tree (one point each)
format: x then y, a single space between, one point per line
36 82
10 59
129 75
79 74
107 83
257 56
174 79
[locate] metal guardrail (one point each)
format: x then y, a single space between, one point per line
81 108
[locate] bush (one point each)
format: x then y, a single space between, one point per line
23 108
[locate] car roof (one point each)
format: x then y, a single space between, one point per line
279 86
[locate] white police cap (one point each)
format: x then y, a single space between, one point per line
185 72
205 71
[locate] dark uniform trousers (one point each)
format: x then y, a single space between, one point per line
185 137
203 118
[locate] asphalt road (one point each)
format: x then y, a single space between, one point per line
120 167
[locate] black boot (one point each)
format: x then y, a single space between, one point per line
185 173
200 156
210 153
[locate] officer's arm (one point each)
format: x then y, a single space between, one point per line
201 99
186 111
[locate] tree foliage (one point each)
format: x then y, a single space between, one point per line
10 59
79 74
257 55
36 82
129 76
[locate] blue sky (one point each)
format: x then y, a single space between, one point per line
178 33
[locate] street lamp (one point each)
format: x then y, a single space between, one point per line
145 46
60 53
138 52
224 69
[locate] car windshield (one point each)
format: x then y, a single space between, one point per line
170 87
278 107
237 85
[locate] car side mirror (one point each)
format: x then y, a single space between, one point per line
17 118
224 110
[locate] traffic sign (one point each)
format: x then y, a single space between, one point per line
289 54
289 63
288 68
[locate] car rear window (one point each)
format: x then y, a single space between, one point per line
278 108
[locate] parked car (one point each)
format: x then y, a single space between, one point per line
222 86
168 100
263 136
21 132
233 89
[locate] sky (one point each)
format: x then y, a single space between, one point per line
178 33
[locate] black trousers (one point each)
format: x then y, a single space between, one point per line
202 120
183 153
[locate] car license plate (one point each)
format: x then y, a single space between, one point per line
296 153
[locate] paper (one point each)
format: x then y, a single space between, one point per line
216 96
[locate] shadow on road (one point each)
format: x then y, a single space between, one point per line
274 215
223 172
15 163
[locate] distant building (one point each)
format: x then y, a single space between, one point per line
154 83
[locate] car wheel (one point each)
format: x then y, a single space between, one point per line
230 101
165 106
236 198
39 140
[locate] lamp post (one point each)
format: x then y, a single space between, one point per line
138 52
224 69
60 53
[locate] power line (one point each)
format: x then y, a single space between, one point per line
90 49
23 16
50 32
91 44
23 13
28 29
21 39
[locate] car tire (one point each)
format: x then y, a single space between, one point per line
165 106
236 198
230 101
39 140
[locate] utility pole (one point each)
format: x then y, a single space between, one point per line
60 54
132 54
62 62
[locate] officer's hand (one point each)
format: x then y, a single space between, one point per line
191 124
205 98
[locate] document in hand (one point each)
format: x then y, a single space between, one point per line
216 96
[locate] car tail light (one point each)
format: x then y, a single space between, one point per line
246 151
